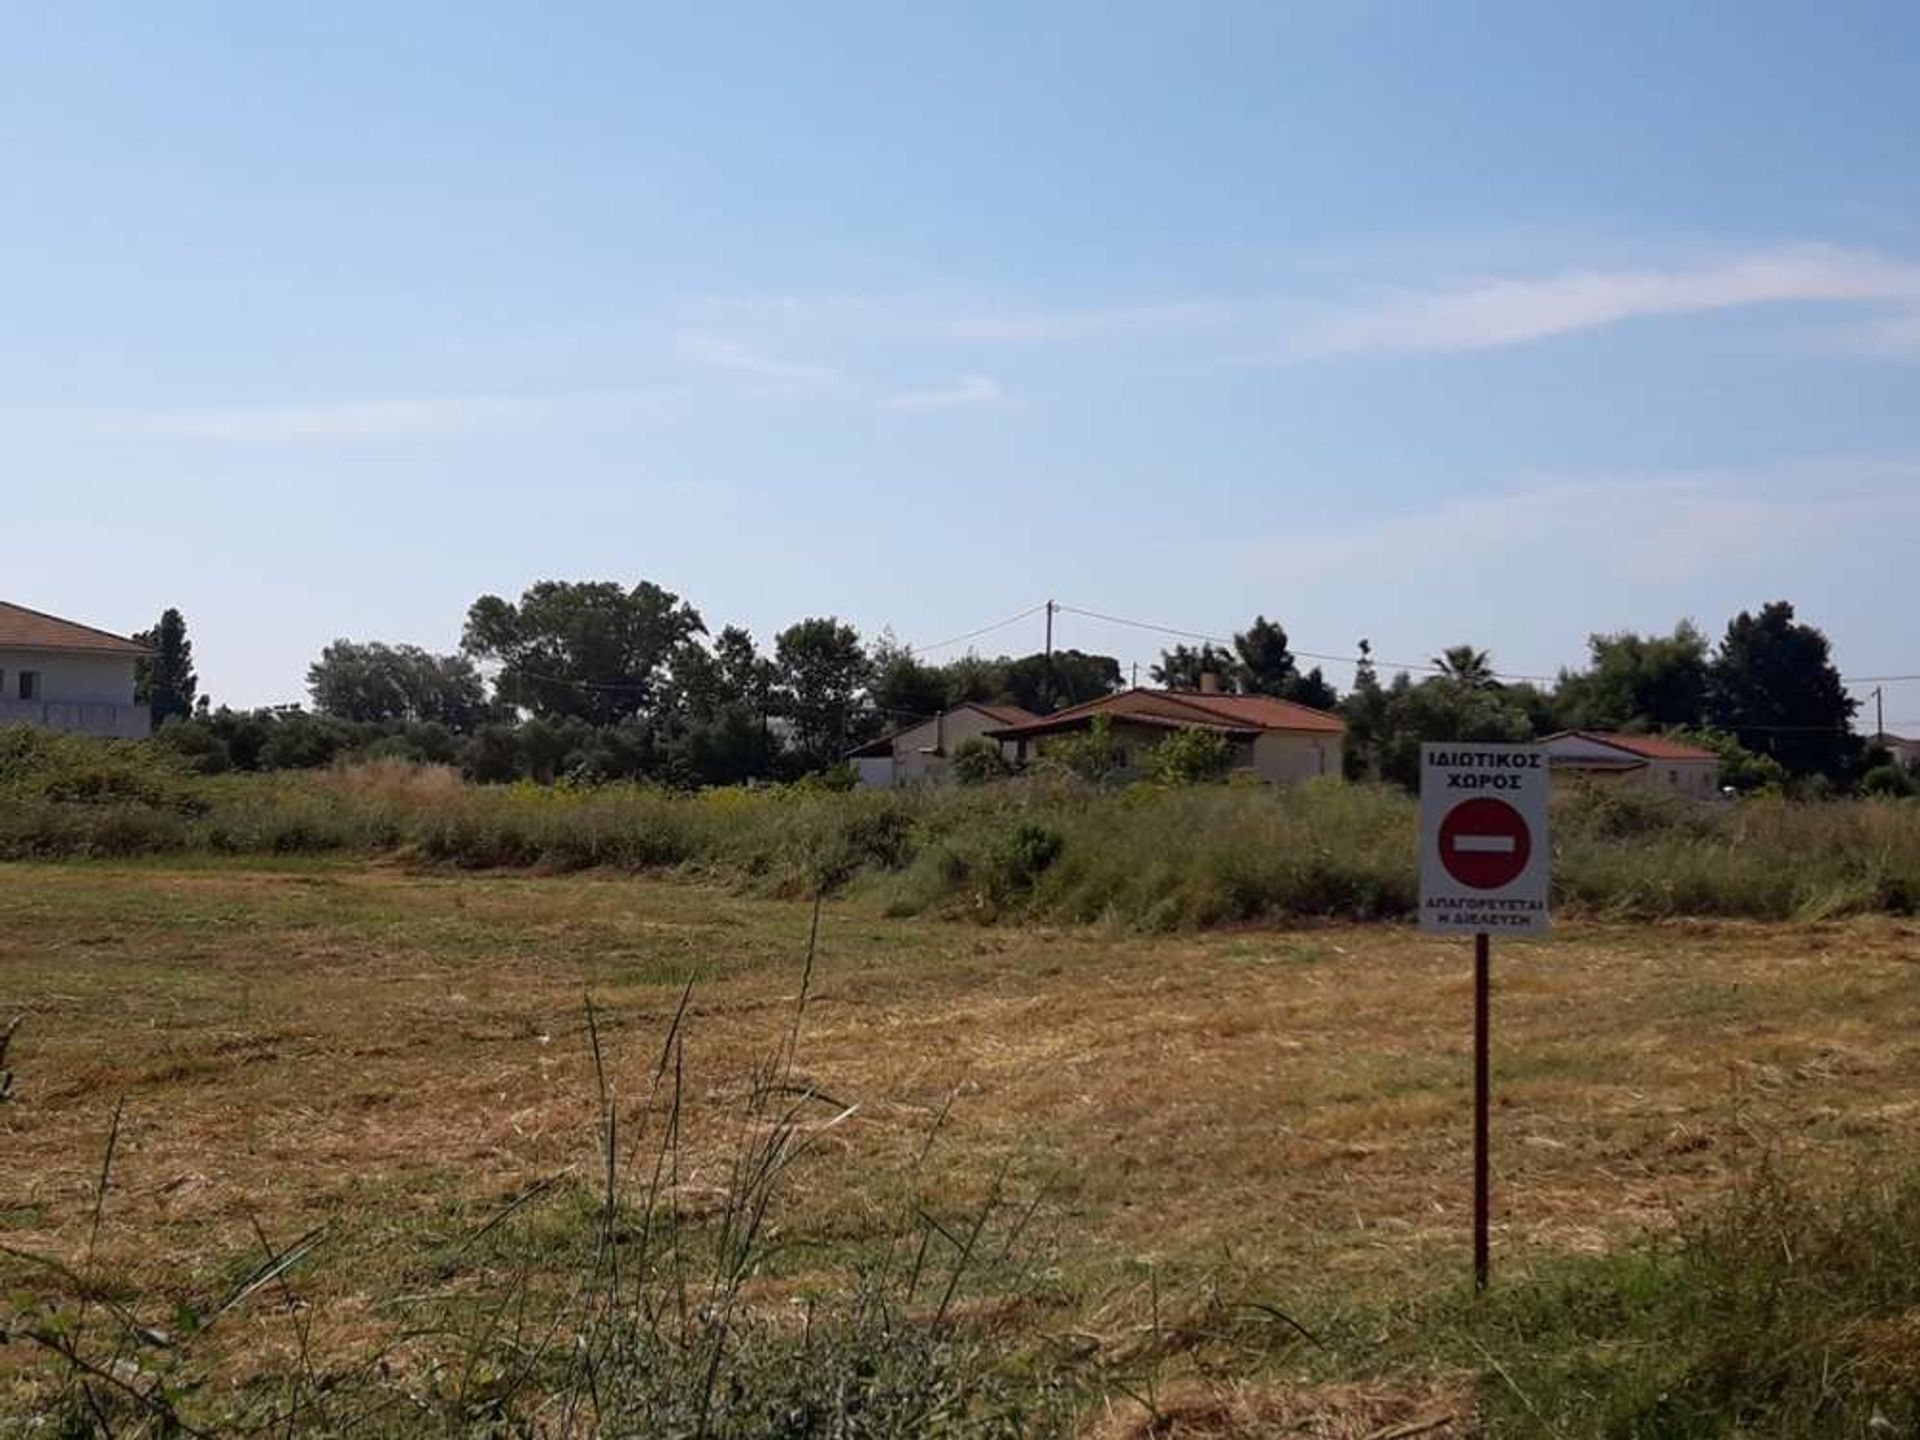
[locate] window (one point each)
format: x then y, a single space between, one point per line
29 684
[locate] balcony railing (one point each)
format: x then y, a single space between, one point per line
80 717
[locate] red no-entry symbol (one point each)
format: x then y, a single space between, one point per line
1484 843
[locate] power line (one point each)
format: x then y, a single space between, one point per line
1180 632
983 630
1222 640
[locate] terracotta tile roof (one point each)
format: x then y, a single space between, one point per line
1596 762
1267 713
1648 747
24 629
1005 714
1249 713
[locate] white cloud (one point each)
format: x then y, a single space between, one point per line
717 352
1502 312
1530 571
1629 529
964 392
371 420
1016 327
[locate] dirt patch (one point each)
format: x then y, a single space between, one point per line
1264 1412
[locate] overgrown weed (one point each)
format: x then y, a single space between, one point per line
1049 848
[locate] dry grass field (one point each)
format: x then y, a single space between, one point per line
1279 1115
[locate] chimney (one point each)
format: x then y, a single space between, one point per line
1209 682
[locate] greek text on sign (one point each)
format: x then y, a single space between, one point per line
1483 838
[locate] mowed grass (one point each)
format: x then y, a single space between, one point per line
1278 1113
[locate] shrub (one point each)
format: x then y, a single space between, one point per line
1092 756
1047 845
1888 780
1191 757
1787 1311
978 761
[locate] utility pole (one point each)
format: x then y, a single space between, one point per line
1047 680
1879 714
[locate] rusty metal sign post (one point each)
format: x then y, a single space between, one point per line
1484 869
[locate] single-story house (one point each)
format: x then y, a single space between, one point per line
922 753
67 676
1608 757
1905 752
1274 739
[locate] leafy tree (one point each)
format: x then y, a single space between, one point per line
164 681
1651 682
296 740
1181 667
696 686
1092 755
586 650
1070 678
748 678
374 682
1265 666
492 754
977 761
1365 711
716 731
1774 686
1441 707
1541 707
734 746
1740 769
1314 689
1466 666
1191 757
973 677
903 689
822 672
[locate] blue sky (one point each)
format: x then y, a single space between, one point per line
1431 324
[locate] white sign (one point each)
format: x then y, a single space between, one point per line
1484 856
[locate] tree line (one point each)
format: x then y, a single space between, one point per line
597 680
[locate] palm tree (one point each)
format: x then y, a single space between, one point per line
1467 666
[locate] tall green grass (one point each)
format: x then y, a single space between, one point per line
1791 1309
1150 857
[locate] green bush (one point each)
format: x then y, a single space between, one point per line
1889 780
1788 1311
1048 846
979 761
1191 757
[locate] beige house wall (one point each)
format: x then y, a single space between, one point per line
1283 757
1289 757
923 753
1695 779
79 694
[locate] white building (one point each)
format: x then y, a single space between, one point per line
1905 752
68 677
922 753
1273 739
1653 761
